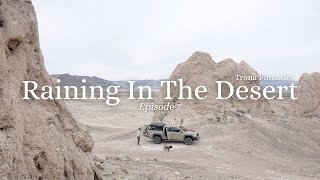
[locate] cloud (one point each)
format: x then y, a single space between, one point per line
147 39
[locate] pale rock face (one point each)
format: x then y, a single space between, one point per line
201 70
38 139
308 94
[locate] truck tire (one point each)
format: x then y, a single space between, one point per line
157 139
188 141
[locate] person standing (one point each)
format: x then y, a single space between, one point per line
138 135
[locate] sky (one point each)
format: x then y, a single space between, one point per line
146 39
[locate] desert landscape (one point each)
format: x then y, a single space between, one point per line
89 140
242 145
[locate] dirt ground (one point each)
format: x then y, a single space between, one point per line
244 147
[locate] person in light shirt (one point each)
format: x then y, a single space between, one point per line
138 135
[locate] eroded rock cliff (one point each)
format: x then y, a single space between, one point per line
308 94
201 70
38 139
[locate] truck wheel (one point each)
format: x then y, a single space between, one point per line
157 139
188 141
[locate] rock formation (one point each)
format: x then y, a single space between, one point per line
38 139
308 94
201 70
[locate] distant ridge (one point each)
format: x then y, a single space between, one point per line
275 83
74 80
154 84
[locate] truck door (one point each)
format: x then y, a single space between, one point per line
177 134
169 133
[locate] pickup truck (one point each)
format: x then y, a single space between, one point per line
161 132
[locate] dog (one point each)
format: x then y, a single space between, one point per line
166 148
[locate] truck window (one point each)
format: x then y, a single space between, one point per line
175 129
155 128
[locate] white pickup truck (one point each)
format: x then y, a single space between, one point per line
162 132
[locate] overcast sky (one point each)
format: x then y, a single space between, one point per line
146 39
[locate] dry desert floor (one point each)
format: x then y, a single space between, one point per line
246 147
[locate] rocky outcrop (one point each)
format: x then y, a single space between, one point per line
38 139
201 70
308 94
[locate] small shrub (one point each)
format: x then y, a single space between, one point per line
218 118
211 120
